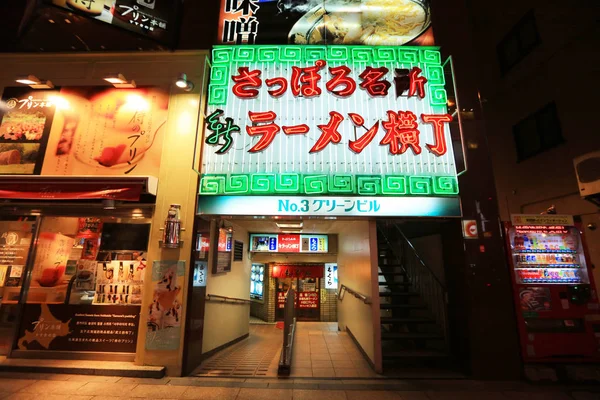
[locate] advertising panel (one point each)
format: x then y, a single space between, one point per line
64 327
164 314
155 19
82 131
363 22
288 243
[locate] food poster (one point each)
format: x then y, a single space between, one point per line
119 281
535 299
25 122
347 22
101 10
49 282
165 311
107 131
94 130
152 18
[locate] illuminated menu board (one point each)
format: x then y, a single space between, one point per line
288 243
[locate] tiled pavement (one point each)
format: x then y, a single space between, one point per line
257 355
87 387
319 351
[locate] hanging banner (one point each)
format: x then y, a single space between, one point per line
82 131
365 22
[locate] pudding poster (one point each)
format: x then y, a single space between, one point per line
82 131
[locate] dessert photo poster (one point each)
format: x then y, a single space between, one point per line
107 131
82 131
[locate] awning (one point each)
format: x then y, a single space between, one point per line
35 187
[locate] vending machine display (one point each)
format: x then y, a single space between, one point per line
557 304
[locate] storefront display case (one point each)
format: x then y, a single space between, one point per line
555 299
82 291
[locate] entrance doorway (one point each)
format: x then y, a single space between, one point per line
307 297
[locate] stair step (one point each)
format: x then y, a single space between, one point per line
386 306
394 284
398 294
392 274
410 335
399 355
390 266
406 320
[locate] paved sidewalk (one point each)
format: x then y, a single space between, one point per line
87 387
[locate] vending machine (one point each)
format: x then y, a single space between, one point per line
555 295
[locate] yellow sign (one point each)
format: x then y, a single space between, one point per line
541 219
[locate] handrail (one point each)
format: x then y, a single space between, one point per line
360 296
289 331
419 257
421 277
225 299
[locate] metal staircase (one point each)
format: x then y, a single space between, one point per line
413 305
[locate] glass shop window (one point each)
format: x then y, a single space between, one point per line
90 261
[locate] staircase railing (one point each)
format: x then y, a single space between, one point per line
423 280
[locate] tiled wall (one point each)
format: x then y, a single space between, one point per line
328 303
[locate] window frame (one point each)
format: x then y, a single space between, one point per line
544 144
528 20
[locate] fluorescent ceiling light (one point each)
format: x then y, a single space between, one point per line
282 225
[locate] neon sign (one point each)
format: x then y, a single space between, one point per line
327 121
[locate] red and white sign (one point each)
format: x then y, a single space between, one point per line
297 271
470 229
308 300
288 244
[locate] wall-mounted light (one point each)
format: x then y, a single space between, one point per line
119 81
34 82
183 83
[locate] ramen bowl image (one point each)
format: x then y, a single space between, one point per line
366 22
111 129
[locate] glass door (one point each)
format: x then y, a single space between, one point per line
16 235
308 301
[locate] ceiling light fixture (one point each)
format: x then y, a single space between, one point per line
295 225
182 82
34 82
119 81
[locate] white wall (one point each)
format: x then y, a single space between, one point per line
357 246
226 322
